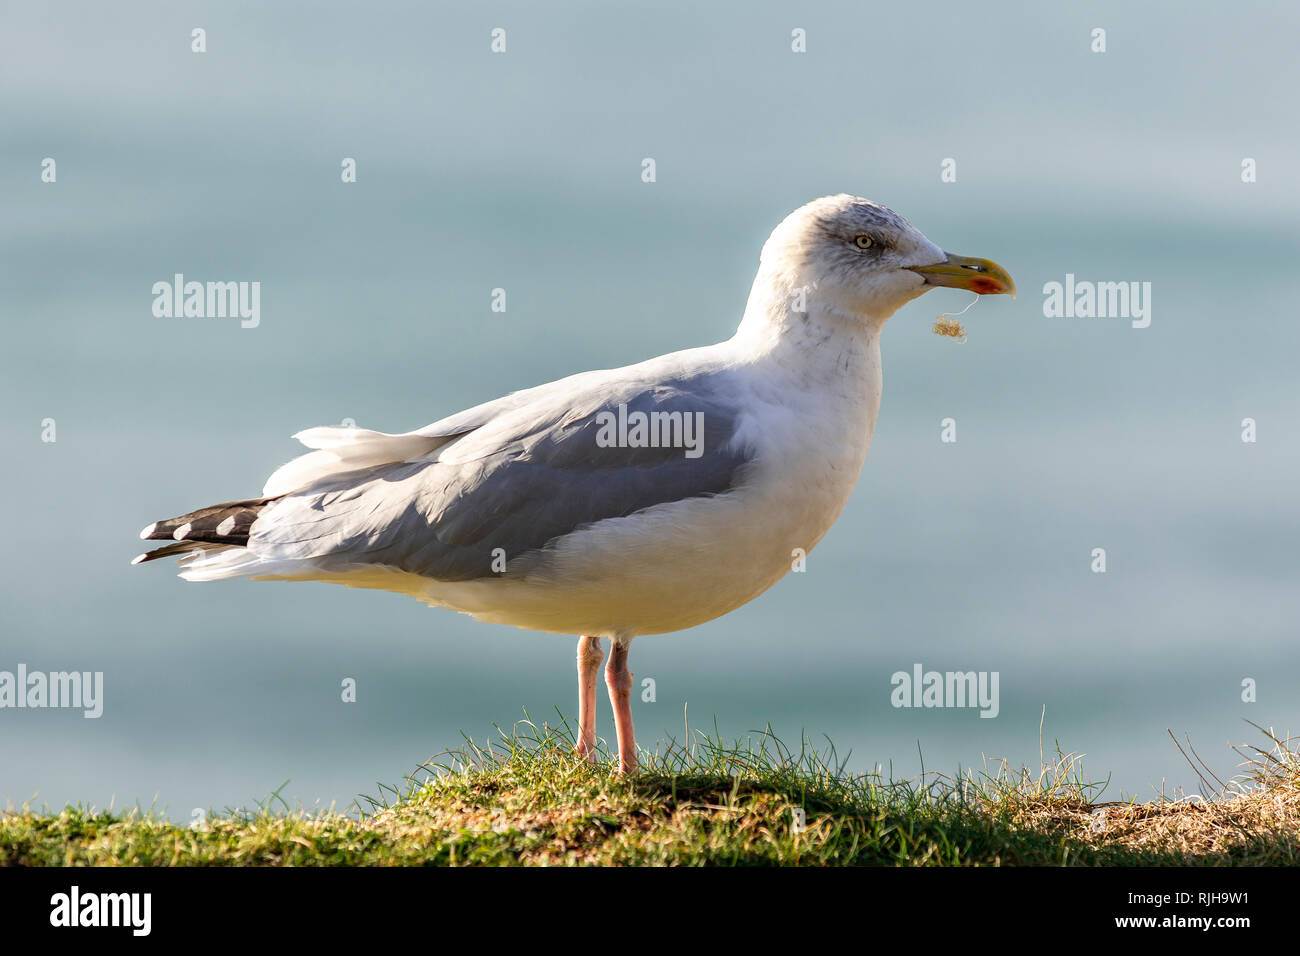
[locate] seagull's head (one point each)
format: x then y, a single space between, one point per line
860 258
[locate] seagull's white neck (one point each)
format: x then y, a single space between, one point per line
819 362
791 323
813 381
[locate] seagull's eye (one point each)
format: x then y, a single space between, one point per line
863 242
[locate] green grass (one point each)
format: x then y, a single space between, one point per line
528 800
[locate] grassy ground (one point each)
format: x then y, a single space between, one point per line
527 800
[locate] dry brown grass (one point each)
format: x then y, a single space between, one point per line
949 327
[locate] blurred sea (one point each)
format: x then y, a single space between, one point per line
522 171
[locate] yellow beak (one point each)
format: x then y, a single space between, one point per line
982 276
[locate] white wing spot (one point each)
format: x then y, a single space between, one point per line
226 526
180 533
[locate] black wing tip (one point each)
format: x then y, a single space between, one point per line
180 548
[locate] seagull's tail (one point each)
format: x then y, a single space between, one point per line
210 529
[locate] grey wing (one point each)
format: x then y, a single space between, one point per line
554 471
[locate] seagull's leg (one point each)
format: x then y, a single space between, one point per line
619 681
590 654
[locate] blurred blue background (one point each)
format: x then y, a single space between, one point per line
522 170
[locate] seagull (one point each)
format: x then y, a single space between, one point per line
614 503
